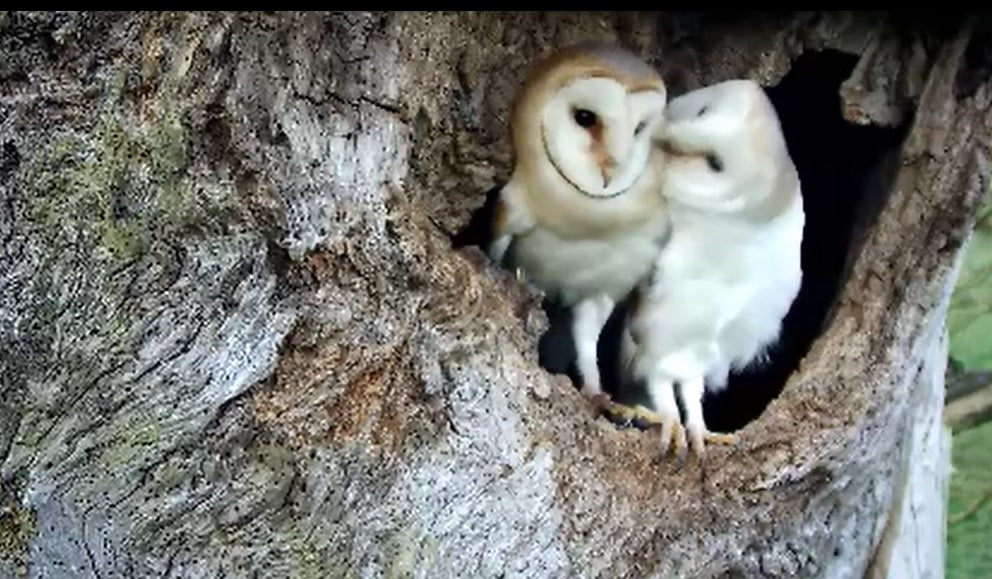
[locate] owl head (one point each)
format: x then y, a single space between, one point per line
581 127
725 150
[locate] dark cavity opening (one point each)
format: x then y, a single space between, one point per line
846 171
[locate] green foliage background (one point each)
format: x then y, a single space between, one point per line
969 324
969 320
969 539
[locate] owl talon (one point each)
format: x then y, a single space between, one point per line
600 400
627 416
668 432
601 404
673 440
700 438
697 444
721 439
681 446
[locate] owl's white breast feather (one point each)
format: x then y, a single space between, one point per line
576 269
722 287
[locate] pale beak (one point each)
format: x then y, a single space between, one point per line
608 168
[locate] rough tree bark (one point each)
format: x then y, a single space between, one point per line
235 338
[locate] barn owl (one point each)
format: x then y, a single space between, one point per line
580 217
731 269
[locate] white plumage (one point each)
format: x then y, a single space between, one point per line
731 269
580 217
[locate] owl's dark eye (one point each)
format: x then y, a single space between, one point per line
640 127
584 118
702 111
714 162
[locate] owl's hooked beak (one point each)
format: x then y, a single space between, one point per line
620 162
607 165
608 168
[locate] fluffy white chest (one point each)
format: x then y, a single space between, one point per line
575 269
721 289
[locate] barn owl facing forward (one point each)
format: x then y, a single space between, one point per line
580 217
731 269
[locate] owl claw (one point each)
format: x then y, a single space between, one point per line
681 447
700 437
697 444
720 439
626 416
600 401
601 404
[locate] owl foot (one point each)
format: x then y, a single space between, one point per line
627 416
673 431
600 402
700 437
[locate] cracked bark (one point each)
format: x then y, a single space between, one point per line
235 339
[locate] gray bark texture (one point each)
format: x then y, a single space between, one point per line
235 339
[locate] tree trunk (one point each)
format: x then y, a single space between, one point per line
236 339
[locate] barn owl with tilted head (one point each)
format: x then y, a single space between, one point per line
580 217
731 268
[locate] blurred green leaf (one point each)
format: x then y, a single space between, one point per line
969 529
969 319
